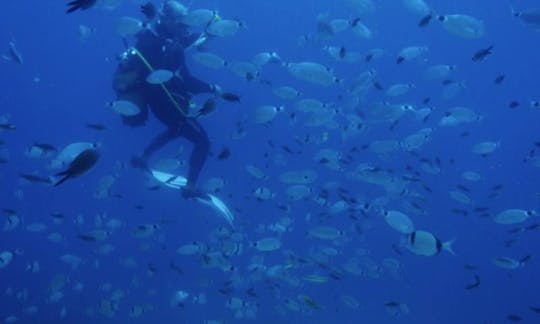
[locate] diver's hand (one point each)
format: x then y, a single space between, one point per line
80 5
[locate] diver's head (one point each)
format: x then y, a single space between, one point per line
170 19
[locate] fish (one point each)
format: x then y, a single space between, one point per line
7 126
35 179
149 10
426 244
94 126
463 26
425 20
208 107
13 54
499 78
80 165
229 96
224 154
80 5
475 284
481 54
514 318
159 76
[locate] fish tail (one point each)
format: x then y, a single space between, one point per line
448 246
66 176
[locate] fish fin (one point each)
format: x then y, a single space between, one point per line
66 176
448 246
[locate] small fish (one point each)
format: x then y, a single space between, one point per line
499 79
149 10
13 54
79 5
224 154
98 127
35 179
535 309
476 283
231 97
425 20
513 104
481 54
514 318
8 126
208 107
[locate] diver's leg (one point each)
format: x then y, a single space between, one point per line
194 132
157 143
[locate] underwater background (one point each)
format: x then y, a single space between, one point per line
334 257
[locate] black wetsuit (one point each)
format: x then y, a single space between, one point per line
130 84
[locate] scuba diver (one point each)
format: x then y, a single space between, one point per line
162 47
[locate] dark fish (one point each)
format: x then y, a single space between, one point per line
368 58
535 309
208 107
35 178
149 10
447 82
57 215
342 52
469 267
400 59
175 268
525 259
82 163
151 269
459 211
80 5
250 76
96 126
514 318
480 209
378 85
475 284
229 96
392 304
224 154
3 161
86 238
513 104
8 126
481 54
499 79
251 292
425 20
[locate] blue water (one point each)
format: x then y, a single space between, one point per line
64 83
